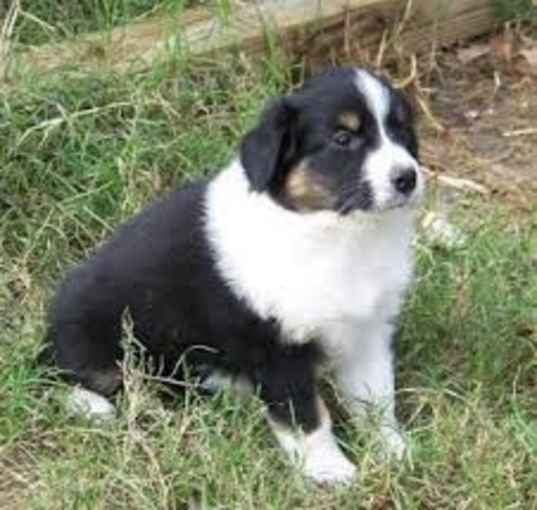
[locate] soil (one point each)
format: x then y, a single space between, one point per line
486 126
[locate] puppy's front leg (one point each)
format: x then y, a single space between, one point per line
365 377
301 422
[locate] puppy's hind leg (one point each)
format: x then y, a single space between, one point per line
217 380
89 404
90 362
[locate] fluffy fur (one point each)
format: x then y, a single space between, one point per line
294 256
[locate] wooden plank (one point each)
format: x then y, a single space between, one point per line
301 25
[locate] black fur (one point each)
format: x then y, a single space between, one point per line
269 149
159 266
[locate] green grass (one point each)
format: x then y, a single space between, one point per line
44 21
79 153
521 10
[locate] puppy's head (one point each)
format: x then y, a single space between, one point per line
344 142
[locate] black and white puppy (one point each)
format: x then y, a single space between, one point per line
295 255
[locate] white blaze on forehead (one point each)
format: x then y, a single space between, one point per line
387 155
376 95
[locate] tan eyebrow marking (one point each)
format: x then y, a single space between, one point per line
349 120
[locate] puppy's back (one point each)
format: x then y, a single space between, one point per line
151 261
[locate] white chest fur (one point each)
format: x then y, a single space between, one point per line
307 270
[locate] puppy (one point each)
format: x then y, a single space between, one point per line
295 255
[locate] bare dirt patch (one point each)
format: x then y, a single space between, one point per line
486 116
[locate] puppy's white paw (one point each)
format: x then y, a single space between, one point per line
216 381
330 469
90 405
317 453
393 443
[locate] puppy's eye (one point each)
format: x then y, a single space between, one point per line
343 138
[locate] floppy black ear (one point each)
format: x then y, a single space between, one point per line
270 146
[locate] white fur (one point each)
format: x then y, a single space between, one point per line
89 404
313 272
219 381
316 454
366 379
381 163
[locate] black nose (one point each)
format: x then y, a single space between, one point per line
405 180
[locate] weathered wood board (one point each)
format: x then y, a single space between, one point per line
301 26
